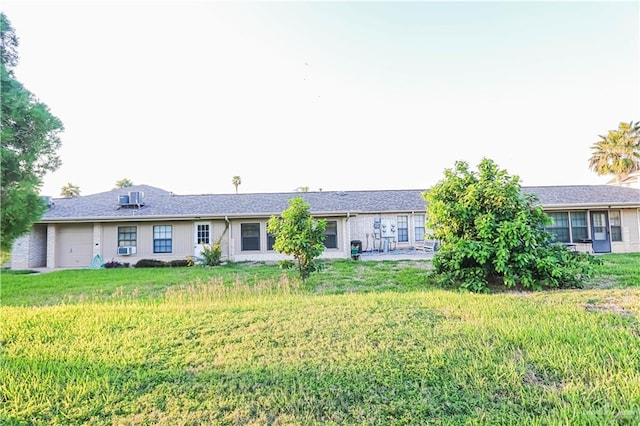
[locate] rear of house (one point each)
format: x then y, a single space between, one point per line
145 222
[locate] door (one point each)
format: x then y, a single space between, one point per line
74 246
202 236
600 232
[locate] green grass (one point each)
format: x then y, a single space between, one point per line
360 343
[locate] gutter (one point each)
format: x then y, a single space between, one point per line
227 227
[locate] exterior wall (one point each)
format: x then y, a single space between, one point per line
45 245
630 221
237 255
182 244
361 227
30 250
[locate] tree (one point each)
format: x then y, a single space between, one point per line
617 153
236 182
492 233
298 234
70 190
124 183
30 140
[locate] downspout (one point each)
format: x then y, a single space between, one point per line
348 240
227 227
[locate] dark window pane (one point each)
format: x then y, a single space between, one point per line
271 240
403 229
331 234
127 236
162 238
250 236
616 233
560 227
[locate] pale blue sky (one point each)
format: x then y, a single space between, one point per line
332 95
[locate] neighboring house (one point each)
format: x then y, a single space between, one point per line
631 181
143 222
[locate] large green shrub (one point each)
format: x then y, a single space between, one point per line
492 233
298 234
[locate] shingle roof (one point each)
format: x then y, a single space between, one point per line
585 195
159 203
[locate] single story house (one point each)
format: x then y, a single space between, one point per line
144 222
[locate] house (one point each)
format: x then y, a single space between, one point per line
144 222
632 180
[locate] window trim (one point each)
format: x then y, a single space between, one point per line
255 235
402 231
127 242
160 245
327 235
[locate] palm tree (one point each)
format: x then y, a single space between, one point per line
617 153
70 190
124 183
236 181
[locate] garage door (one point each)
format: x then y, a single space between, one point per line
74 246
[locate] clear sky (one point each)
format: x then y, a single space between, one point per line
184 95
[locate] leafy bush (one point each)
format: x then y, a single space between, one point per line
493 234
151 263
115 264
210 254
286 264
298 234
179 263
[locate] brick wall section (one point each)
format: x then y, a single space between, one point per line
29 251
20 253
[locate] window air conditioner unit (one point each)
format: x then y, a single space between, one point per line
126 251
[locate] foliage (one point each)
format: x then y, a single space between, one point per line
70 190
30 140
180 263
151 263
115 264
124 183
232 349
492 233
298 234
618 152
210 254
236 181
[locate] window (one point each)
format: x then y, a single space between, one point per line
203 233
403 229
162 238
331 234
560 227
616 225
127 236
568 227
419 227
271 240
578 226
250 236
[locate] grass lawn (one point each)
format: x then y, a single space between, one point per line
360 343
